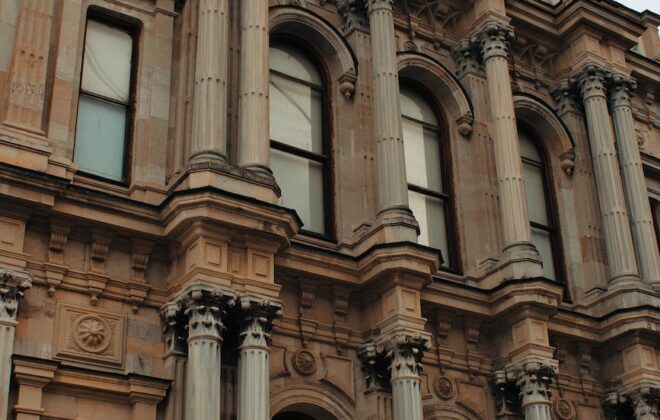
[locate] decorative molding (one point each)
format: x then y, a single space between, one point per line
304 362
90 336
13 284
443 387
564 409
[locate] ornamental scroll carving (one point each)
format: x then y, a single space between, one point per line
90 336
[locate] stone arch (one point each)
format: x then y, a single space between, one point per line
443 85
554 134
450 412
327 40
311 399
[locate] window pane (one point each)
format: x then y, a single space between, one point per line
415 106
536 204
541 239
528 149
107 61
301 181
294 63
100 136
295 114
430 213
422 154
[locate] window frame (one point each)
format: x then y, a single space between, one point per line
119 22
551 202
325 159
453 260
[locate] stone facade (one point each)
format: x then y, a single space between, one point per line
188 292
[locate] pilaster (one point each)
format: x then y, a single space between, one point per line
253 368
493 39
641 220
12 286
618 240
253 128
209 141
32 377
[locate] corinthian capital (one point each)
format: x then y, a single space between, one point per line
405 352
591 80
534 377
621 90
379 5
493 39
258 315
12 285
565 96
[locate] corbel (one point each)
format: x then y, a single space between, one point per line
567 161
307 297
442 328
96 277
341 297
140 253
347 85
584 366
472 329
55 267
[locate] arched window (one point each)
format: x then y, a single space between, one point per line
538 204
298 154
428 195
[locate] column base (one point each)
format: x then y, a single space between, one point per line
207 158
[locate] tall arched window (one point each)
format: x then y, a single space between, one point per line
427 178
298 154
538 205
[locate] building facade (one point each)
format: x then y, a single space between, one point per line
311 209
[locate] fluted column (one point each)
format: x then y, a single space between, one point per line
534 379
201 308
641 220
253 364
406 354
392 184
12 286
493 40
253 128
209 140
616 227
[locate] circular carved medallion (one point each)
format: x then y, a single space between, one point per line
443 387
564 409
304 362
92 333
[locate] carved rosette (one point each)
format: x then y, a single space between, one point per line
12 287
591 81
258 315
493 39
621 90
304 362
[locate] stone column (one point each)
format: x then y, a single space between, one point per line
641 220
253 364
405 368
12 286
201 307
616 227
645 402
534 380
253 122
493 38
392 184
209 140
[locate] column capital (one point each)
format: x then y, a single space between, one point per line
466 56
405 351
566 97
353 12
493 39
258 315
533 376
13 284
379 5
645 399
373 366
621 89
591 80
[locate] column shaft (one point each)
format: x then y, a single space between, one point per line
616 227
7 333
513 205
253 128
203 375
392 184
406 393
641 220
210 107
253 371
